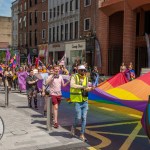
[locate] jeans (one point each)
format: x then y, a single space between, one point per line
81 114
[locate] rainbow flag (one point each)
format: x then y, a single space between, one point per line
113 82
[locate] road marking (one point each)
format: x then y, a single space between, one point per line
110 133
131 137
91 148
104 108
133 115
112 124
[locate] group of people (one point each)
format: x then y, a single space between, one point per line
129 71
79 88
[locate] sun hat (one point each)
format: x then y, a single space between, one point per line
81 67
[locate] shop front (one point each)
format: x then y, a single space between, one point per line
23 56
56 52
75 52
33 54
43 53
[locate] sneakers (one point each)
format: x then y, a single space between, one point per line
82 138
55 125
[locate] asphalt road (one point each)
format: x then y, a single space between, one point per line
107 128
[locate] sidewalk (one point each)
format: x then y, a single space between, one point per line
26 128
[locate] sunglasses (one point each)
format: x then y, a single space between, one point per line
82 70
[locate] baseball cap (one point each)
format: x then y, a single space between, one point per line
81 67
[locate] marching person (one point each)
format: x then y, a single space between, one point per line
45 90
79 96
55 81
31 85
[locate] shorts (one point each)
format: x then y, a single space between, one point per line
56 99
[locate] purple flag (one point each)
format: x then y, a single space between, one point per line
29 60
22 80
8 55
18 60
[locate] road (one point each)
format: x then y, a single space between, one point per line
108 127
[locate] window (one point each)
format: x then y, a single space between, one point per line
43 0
87 24
25 6
25 38
20 21
30 3
77 4
30 18
43 33
50 33
57 33
54 12
44 16
87 2
58 10
35 1
24 19
66 7
35 37
50 13
71 30
30 38
35 16
62 32
62 8
20 8
66 31
71 5
53 34
20 39
76 29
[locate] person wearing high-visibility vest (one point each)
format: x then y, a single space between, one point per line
79 96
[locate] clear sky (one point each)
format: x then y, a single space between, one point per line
5 7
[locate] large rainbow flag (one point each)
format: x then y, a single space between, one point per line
113 82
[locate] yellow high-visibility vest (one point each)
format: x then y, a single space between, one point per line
76 94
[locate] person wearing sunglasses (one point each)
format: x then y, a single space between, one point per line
79 96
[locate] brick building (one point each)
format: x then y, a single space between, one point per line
23 29
37 28
122 25
5 32
88 16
